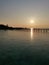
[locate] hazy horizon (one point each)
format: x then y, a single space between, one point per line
20 12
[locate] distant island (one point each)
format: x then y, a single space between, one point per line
6 27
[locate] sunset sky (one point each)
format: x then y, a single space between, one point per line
21 12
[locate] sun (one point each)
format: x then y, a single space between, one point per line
31 21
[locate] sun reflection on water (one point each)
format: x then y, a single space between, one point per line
31 33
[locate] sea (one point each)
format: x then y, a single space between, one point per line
24 47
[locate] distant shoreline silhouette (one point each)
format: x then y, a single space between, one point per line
6 27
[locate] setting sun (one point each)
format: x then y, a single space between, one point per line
32 21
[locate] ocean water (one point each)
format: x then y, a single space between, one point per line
24 48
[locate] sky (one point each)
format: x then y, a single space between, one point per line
21 12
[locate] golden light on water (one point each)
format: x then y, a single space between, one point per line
31 33
32 22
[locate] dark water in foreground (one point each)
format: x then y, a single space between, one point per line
24 48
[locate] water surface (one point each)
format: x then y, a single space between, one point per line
24 48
